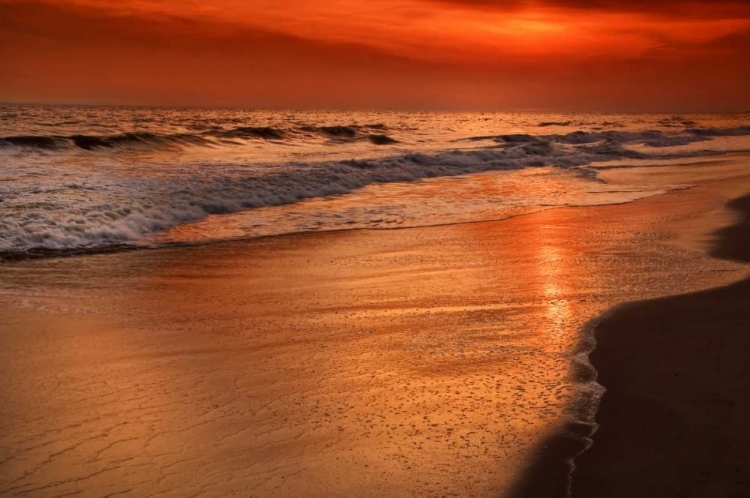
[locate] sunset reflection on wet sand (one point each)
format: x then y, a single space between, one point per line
430 361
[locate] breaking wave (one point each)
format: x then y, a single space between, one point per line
344 134
652 138
115 213
93 142
208 138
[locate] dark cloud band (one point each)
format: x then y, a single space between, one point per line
677 8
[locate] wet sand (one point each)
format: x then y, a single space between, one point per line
674 419
420 362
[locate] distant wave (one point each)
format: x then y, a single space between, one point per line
544 124
381 139
94 142
372 133
124 211
651 138
265 133
144 141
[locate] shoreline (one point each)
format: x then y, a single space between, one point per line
155 241
401 362
672 418
45 253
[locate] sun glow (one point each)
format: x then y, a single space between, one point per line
443 51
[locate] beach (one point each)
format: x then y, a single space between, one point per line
391 248
416 362
676 373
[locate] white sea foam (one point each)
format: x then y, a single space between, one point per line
111 193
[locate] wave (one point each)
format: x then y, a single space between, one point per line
207 138
139 140
371 133
352 132
265 133
382 139
651 138
153 141
127 211
545 124
89 142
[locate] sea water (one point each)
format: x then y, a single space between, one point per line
99 178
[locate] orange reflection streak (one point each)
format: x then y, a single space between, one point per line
555 290
551 274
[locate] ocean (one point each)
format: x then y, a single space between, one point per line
87 179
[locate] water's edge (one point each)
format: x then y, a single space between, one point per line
553 472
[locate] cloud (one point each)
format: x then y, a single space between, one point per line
669 8
57 51
63 53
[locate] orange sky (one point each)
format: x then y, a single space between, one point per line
454 54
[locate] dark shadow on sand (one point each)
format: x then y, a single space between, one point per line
675 421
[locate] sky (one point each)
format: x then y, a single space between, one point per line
576 55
